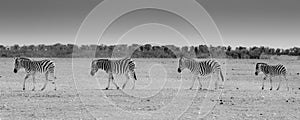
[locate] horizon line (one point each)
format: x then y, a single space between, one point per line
148 43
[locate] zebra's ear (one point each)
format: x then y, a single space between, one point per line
92 61
15 57
257 65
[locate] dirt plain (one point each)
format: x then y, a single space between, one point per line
161 93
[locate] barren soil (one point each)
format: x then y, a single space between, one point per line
160 93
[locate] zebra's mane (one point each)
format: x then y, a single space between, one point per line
265 64
261 63
184 58
98 60
193 59
24 58
102 60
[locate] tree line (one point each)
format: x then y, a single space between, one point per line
142 51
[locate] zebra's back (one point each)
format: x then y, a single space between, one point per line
205 67
122 66
274 70
41 66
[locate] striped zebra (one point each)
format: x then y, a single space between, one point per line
123 66
32 67
271 71
202 68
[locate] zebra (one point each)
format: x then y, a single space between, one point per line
124 66
202 68
32 67
271 71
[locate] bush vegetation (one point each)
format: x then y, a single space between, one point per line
143 51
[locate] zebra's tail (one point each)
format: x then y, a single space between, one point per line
222 77
53 70
132 68
134 76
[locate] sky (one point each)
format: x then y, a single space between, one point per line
240 22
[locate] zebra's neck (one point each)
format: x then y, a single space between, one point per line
26 63
189 63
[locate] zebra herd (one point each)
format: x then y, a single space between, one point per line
127 67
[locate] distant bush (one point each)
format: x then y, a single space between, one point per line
265 56
145 51
284 57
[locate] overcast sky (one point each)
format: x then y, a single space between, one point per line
241 22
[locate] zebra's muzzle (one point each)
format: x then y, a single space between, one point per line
92 73
15 70
179 70
256 73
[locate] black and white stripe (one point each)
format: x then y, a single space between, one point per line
32 67
123 66
271 71
202 68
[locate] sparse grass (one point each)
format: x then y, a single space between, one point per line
161 93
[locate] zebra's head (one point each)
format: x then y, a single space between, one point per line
17 64
258 67
94 67
181 65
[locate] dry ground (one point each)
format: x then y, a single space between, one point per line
161 93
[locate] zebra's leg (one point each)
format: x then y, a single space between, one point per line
54 78
271 83
25 80
113 81
127 78
33 82
193 82
200 85
108 84
216 83
279 82
287 84
222 78
263 83
46 81
134 79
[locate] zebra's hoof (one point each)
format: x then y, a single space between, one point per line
262 88
42 89
277 89
270 88
118 88
23 88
